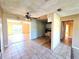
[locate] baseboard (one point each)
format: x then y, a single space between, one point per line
75 47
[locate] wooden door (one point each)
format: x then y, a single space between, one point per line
26 30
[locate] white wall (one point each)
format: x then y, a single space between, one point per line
56 30
55 34
1 37
75 40
37 29
4 30
0 31
50 17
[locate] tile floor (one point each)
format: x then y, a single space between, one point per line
27 49
32 50
63 50
75 53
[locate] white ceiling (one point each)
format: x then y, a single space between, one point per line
40 7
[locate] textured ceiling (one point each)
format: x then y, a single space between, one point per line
40 7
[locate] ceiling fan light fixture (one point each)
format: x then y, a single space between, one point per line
27 15
59 9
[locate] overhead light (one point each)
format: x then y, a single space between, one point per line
59 9
27 15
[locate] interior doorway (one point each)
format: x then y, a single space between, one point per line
67 32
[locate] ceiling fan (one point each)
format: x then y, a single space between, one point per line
28 16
